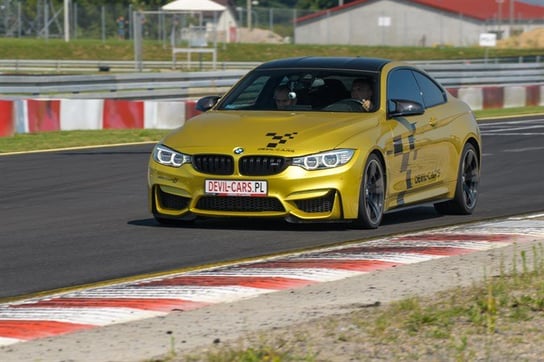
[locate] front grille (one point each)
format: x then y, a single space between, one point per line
318 204
261 165
214 164
169 201
236 203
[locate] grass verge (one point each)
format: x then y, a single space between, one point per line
114 49
65 139
498 320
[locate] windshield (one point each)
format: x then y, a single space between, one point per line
304 89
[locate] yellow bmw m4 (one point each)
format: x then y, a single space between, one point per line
320 139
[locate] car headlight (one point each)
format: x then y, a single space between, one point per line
323 160
168 157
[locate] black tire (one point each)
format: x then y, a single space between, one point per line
371 195
466 190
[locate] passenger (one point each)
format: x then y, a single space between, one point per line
284 97
361 89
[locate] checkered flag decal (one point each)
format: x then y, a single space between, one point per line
279 139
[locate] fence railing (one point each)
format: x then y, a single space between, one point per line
177 84
113 66
88 20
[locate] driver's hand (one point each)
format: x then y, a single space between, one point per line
366 104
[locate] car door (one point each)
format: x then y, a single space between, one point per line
413 164
440 132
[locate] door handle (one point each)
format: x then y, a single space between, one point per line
432 121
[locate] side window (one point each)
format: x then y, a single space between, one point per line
247 95
403 86
432 93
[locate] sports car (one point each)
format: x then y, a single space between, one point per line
322 153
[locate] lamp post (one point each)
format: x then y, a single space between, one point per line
499 4
66 20
248 14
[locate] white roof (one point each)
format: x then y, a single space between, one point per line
193 5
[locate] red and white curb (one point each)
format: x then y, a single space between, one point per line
124 302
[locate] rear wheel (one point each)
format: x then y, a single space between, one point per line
372 194
466 190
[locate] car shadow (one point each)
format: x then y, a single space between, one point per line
416 214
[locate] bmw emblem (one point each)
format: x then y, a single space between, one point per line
238 150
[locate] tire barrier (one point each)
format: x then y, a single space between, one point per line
40 115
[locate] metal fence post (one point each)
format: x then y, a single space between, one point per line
103 21
137 36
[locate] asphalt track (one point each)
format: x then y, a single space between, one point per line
75 217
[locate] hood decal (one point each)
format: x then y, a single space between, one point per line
279 139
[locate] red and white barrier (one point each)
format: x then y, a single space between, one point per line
41 115
166 115
7 127
81 114
490 97
121 114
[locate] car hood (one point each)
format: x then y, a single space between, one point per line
278 132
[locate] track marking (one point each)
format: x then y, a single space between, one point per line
157 296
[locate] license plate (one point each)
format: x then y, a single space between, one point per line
236 188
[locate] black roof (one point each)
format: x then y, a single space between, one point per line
351 63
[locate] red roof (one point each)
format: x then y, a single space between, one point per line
476 9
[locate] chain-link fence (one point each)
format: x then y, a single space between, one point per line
46 19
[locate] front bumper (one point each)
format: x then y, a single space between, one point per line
293 194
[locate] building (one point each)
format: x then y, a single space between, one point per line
417 22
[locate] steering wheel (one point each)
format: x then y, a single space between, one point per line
346 105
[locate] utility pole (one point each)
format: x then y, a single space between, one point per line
66 20
499 3
249 14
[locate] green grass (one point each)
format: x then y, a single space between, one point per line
485 321
114 49
65 139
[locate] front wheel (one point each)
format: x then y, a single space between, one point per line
371 195
466 190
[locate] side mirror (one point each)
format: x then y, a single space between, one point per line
206 103
401 107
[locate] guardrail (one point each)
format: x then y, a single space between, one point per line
119 86
177 84
114 66
469 74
